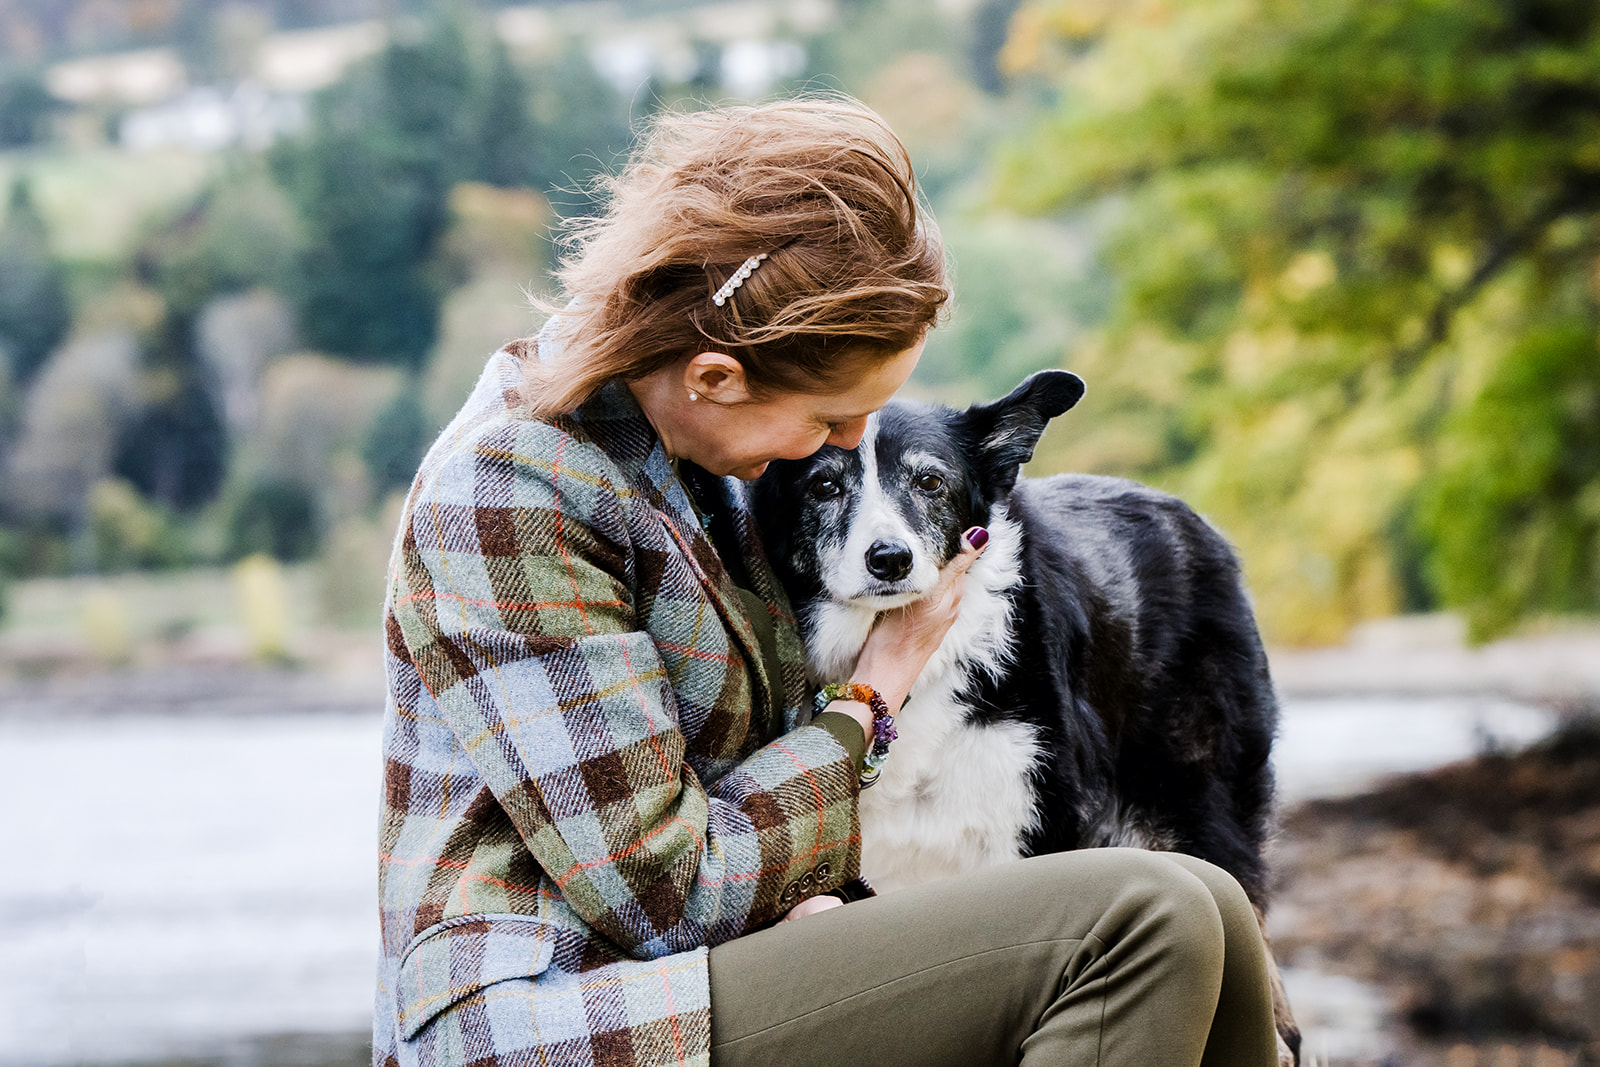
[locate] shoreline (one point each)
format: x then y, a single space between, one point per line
1406 657
1427 655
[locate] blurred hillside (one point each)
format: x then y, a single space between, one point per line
1330 271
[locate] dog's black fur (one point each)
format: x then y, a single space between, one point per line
1138 660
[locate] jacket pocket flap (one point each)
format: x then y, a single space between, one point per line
451 961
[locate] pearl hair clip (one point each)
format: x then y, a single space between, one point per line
721 296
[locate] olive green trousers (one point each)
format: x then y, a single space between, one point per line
1098 957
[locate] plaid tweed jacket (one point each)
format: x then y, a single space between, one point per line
578 796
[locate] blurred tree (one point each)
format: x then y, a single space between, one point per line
239 233
174 449
371 182
71 416
1360 241
237 335
26 109
34 313
509 140
1023 291
126 531
1548 391
397 439
275 518
582 125
314 417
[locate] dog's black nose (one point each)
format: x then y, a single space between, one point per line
889 560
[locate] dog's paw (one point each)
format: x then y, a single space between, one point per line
1288 1057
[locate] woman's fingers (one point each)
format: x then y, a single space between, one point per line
811 906
973 543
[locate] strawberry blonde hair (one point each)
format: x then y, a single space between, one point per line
855 269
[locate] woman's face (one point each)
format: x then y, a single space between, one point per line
741 439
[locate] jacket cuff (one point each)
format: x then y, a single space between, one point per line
848 733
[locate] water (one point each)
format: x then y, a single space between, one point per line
175 885
172 884
1338 746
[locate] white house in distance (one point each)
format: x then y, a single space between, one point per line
163 108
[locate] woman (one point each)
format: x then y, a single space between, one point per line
604 785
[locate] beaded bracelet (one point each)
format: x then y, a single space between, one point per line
883 731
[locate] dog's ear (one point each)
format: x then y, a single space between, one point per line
1003 433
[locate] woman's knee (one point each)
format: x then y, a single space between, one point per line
1232 902
1150 895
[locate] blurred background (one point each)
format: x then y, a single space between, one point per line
1331 270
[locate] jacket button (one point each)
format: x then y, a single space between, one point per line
791 891
824 871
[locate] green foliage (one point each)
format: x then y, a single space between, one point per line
397 439
1513 511
174 448
1337 220
240 232
26 109
581 126
1024 291
275 518
371 184
508 144
128 531
34 313
371 181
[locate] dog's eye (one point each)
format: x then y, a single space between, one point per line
824 488
929 483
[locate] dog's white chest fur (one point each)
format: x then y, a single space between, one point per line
953 796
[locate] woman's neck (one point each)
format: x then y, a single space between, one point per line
659 397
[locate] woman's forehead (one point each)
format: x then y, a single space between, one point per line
877 383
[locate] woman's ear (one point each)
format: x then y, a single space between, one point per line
717 377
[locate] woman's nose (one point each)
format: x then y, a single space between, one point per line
848 434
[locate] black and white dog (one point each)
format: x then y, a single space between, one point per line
1104 683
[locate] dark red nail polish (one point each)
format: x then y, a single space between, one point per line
977 537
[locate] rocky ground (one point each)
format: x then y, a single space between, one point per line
1470 894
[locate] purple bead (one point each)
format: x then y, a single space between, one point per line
883 732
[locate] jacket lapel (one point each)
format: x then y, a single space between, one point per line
764 583
613 419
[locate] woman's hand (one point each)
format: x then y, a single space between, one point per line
903 640
810 906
